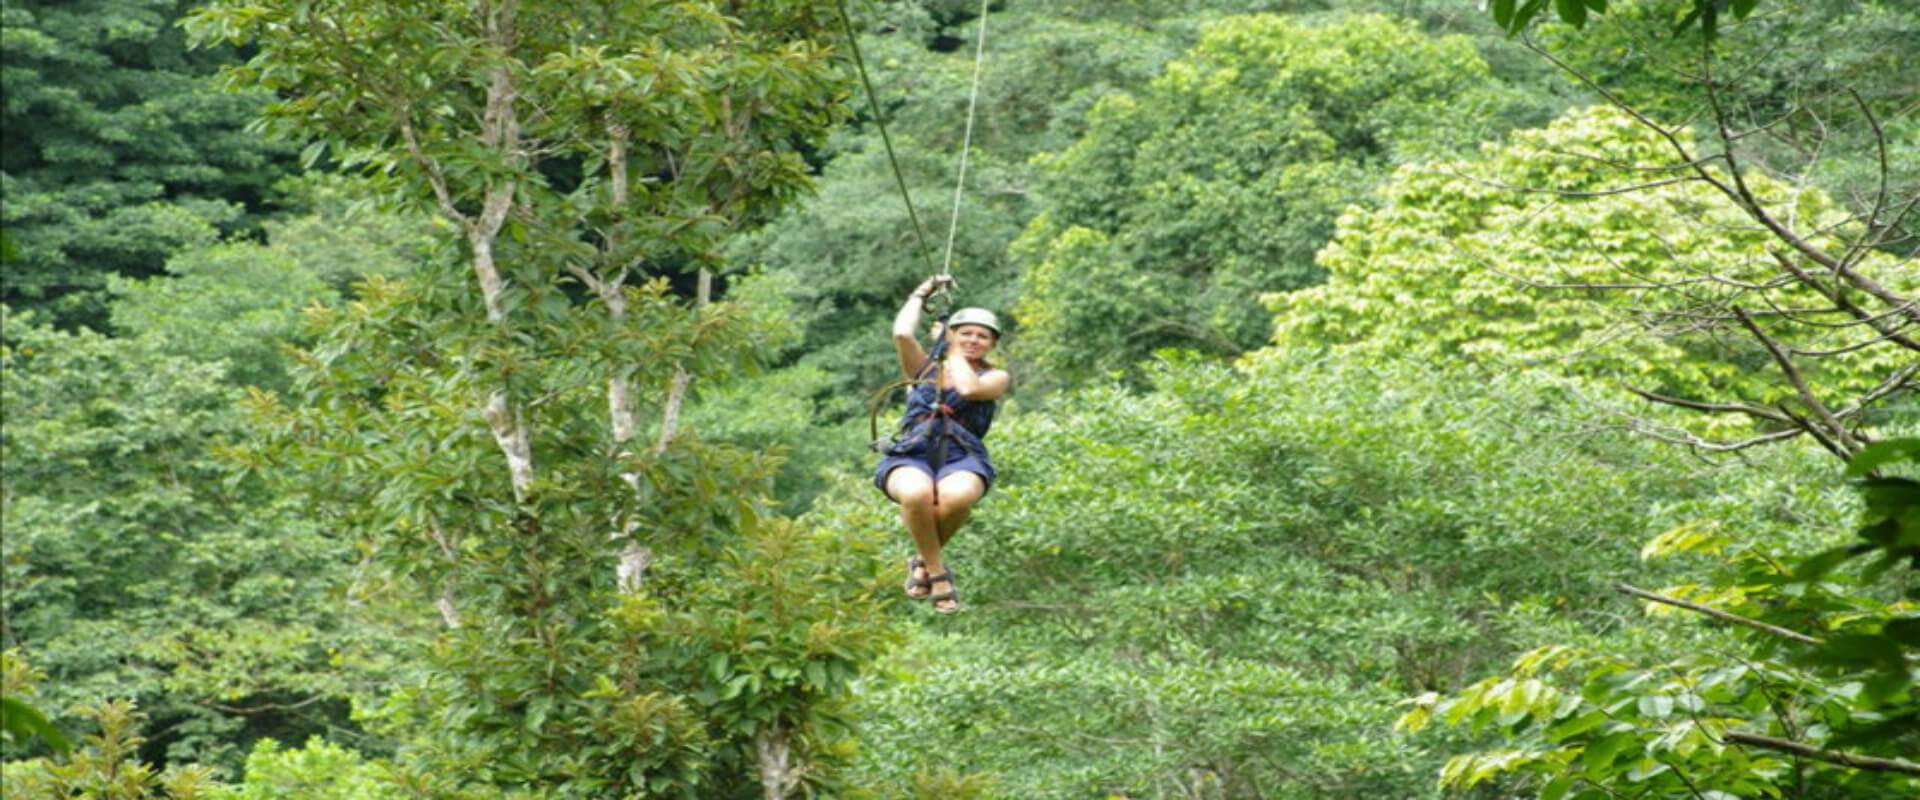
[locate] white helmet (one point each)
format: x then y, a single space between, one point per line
975 316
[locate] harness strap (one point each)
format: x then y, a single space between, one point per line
937 455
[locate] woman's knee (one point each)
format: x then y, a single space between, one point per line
959 491
910 488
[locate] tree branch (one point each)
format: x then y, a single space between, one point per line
1738 192
1715 613
1787 367
1697 405
677 391
1720 447
1839 298
1830 756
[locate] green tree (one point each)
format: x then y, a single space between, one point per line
1207 590
109 766
1219 181
851 252
241 301
118 152
320 770
24 721
491 405
1806 689
1830 110
136 567
1557 251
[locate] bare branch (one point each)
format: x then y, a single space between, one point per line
1862 345
1840 299
1792 372
1698 443
1488 266
1739 192
435 178
1572 192
1697 405
1880 150
1901 379
677 391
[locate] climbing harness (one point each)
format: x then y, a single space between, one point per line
879 400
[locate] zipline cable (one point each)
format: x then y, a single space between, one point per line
966 145
853 43
966 142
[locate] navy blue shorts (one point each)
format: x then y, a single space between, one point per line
961 461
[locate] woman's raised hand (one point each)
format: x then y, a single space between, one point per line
932 286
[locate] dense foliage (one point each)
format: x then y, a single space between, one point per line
1374 362
118 149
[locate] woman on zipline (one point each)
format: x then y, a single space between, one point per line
938 468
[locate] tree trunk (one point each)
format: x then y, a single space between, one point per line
775 749
677 392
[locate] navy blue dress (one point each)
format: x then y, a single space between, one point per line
923 430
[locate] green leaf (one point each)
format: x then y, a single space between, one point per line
1879 454
1525 14
310 154
1503 12
1857 651
25 722
1816 566
537 712
1741 8
1688 20
1905 631
1599 756
1656 706
1890 497
1573 12
1647 767
1576 726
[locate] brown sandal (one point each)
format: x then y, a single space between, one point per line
952 592
925 586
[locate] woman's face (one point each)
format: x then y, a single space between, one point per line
972 341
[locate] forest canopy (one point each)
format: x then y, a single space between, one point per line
474 400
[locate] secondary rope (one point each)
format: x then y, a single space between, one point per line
879 119
966 142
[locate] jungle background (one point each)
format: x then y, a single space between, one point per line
1412 399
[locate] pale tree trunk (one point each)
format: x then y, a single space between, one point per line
630 571
500 133
635 557
677 392
778 776
446 602
612 291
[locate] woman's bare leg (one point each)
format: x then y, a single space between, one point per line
958 492
913 489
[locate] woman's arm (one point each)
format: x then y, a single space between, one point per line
913 357
981 386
